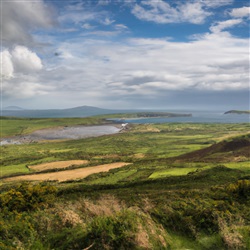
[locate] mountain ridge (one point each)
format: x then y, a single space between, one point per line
80 111
13 108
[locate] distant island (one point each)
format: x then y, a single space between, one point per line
239 112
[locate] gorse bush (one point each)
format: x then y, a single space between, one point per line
241 188
116 232
27 197
17 231
104 232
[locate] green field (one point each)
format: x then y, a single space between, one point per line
162 200
21 126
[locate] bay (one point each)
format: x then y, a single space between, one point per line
197 117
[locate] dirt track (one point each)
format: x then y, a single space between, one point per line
68 174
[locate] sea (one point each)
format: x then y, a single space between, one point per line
197 117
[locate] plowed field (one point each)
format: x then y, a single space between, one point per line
68 174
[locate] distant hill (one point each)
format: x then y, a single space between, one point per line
82 111
13 108
238 112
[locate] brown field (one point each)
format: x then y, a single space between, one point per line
56 165
68 174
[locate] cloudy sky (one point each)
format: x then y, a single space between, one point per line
163 54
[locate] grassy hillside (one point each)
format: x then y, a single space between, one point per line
187 187
234 149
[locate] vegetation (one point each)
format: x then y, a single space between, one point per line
11 126
187 187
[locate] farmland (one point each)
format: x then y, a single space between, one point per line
183 186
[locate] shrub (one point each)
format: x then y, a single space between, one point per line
176 221
113 232
27 197
104 232
241 188
17 232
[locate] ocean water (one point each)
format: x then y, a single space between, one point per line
197 117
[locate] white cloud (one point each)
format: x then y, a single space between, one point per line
25 61
20 18
162 12
150 67
101 69
86 18
6 65
216 3
19 61
108 21
88 26
121 27
104 2
24 88
75 6
18 70
79 17
240 12
154 14
102 33
19 64
193 12
220 26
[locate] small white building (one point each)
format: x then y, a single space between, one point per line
124 125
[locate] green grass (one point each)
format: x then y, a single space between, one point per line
111 177
173 172
171 140
13 169
20 126
243 166
169 204
180 242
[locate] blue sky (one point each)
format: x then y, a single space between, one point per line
125 54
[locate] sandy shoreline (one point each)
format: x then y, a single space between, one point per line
62 133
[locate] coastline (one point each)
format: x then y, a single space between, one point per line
62 133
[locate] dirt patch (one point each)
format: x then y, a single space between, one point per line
56 165
111 156
139 156
68 174
107 205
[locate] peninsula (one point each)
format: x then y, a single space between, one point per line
239 112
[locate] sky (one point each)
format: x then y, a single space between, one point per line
146 54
